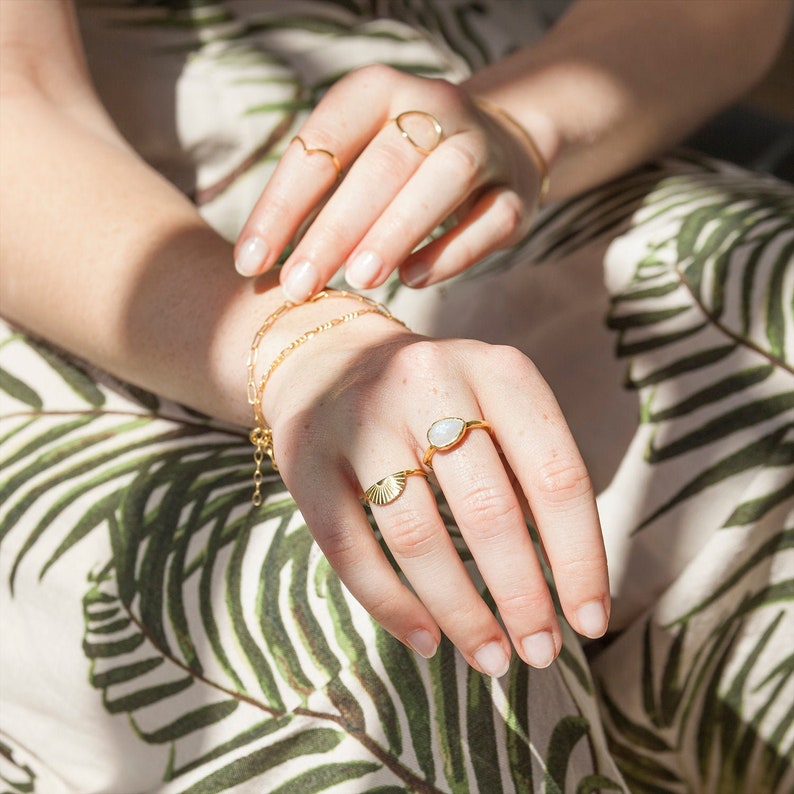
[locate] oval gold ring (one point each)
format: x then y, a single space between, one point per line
390 487
309 150
437 134
449 432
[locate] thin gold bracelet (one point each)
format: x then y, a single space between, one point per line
537 156
262 435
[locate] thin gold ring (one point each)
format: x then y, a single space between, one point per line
449 432
308 150
390 488
437 128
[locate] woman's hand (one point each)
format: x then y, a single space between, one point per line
401 155
354 405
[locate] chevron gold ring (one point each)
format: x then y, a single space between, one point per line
308 150
449 432
390 488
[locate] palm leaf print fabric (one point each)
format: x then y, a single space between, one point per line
159 634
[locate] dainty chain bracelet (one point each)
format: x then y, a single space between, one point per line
271 320
262 435
532 145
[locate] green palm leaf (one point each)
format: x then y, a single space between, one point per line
706 320
15 774
702 360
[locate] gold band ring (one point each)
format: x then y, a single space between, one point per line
449 432
307 150
438 132
389 488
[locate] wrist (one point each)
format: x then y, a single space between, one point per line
288 337
526 140
536 123
320 378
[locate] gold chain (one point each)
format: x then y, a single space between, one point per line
262 435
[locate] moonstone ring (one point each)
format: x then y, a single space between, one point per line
448 432
390 487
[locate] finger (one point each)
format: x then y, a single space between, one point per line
490 518
379 173
452 173
302 178
338 523
309 168
540 449
421 545
497 220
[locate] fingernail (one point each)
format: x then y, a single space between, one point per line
363 270
301 282
422 642
592 619
539 649
252 253
492 660
414 273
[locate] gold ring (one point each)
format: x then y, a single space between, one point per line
448 432
307 150
437 130
389 488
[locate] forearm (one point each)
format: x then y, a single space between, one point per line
616 82
102 256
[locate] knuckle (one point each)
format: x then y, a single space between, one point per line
424 359
563 480
409 535
356 80
401 228
385 606
460 252
580 565
489 510
451 97
334 236
536 603
461 158
276 210
388 162
511 357
509 217
515 366
340 547
376 73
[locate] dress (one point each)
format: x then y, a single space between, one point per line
160 634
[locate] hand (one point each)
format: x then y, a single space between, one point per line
391 189
337 434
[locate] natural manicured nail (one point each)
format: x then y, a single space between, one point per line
414 273
592 619
492 660
539 649
301 282
251 255
422 642
362 272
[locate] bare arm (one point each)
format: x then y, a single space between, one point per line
99 253
612 84
617 81
105 258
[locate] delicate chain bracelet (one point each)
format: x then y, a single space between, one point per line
537 156
262 436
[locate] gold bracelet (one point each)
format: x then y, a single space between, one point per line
537 156
262 435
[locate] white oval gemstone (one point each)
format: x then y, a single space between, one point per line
446 432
